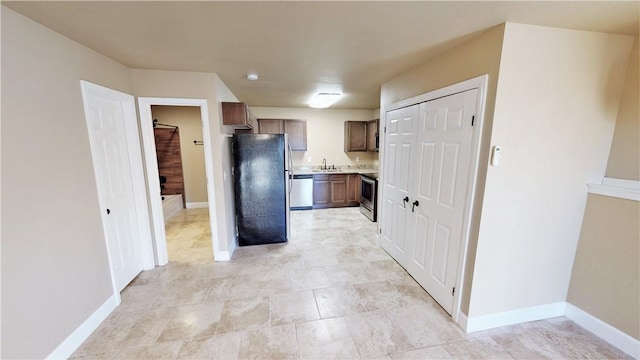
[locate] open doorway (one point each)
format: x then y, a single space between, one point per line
183 186
153 176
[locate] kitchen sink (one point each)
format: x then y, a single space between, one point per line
327 170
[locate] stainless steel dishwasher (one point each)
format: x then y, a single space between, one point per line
301 192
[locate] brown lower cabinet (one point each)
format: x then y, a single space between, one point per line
321 190
336 190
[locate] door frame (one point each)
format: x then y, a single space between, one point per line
479 83
151 167
137 173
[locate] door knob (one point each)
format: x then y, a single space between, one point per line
108 211
405 201
415 203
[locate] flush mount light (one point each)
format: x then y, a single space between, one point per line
324 100
252 77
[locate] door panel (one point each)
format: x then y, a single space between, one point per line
448 170
446 132
105 118
401 128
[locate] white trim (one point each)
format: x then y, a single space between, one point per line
474 160
619 188
604 331
82 332
518 316
151 164
223 256
197 205
463 320
473 83
480 83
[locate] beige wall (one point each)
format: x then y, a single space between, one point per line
325 134
624 158
55 271
556 105
606 274
179 84
187 119
605 281
478 56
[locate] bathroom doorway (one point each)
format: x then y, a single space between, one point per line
183 186
153 176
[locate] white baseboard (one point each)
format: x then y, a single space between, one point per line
79 335
222 256
532 313
198 205
462 320
604 331
225 255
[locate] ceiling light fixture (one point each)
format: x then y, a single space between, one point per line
252 77
324 100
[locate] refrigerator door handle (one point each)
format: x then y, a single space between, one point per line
290 168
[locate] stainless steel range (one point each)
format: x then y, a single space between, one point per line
368 195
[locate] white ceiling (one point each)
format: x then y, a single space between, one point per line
299 48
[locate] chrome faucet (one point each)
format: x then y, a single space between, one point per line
324 164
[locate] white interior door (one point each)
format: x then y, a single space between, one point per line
401 126
443 149
114 177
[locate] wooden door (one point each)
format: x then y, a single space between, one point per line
321 190
443 149
372 134
338 190
297 131
353 188
270 126
401 126
355 136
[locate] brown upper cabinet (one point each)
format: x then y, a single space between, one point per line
238 115
355 136
373 130
296 129
270 126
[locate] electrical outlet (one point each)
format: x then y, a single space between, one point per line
309 159
357 158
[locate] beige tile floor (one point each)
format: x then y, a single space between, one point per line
330 293
189 236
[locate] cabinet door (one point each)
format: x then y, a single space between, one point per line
238 115
338 190
321 190
270 126
297 131
353 188
372 134
355 136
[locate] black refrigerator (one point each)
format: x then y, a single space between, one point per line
261 183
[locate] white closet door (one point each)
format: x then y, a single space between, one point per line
401 127
440 182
